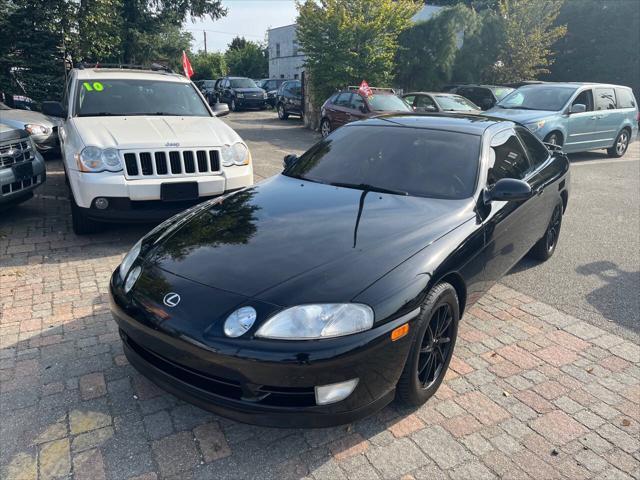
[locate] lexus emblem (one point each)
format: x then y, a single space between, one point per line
171 299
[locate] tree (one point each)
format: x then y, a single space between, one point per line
346 41
248 61
208 65
427 51
238 43
592 52
529 33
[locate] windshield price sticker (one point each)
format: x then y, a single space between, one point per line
91 87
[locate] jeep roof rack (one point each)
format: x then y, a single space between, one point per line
374 89
155 67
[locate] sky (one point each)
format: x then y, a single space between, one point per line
248 18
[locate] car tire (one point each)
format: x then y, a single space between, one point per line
325 127
621 144
430 354
81 224
282 112
554 138
545 247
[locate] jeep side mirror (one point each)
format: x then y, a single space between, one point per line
220 109
54 109
509 189
578 108
289 160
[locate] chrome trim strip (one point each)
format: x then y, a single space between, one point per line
590 133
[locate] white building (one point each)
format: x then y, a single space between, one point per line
285 57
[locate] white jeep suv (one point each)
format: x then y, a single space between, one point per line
141 145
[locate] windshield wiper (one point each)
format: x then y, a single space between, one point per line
369 188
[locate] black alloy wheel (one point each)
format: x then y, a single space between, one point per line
546 246
435 346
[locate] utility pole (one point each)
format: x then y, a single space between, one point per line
205 41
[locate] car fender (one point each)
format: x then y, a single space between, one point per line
553 124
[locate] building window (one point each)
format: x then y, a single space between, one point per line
295 76
282 76
295 48
277 50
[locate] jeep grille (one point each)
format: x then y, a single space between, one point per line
171 163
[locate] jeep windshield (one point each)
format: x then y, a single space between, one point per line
125 97
538 97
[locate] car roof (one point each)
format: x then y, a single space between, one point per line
432 93
573 84
477 85
123 73
451 122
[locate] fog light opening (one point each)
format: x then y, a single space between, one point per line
102 203
335 392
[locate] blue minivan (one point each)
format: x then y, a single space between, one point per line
576 116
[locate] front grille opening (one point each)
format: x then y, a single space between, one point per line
131 164
161 163
267 395
145 163
176 166
214 160
189 164
202 161
21 185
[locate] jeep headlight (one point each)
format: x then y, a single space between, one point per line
236 154
307 322
95 159
35 129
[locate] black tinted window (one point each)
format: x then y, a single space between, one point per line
430 163
508 159
538 153
343 100
625 98
357 102
605 99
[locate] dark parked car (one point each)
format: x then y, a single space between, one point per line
240 92
289 99
485 96
440 102
351 105
271 86
207 87
317 296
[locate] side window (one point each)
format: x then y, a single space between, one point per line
356 102
425 101
538 153
585 98
296 89
483 96
625 98
605 99
409 99
343 100
508 159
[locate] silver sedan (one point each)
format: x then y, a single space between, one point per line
42 129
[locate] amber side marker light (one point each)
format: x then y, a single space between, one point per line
399 332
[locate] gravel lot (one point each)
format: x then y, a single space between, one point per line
534 391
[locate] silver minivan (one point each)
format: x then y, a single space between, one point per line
577 116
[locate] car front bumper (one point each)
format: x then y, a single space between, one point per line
14 190
251 102
264 382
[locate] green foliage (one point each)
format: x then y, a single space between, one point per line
208 65
601 44
529 33
428 50
347 41
248 61
238 43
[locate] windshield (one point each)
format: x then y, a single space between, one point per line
538 97
138 97
420 162
455 102
242 83
388 103
502 92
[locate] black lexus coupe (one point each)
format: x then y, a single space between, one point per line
317 296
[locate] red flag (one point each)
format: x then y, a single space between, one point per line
365 89
186 65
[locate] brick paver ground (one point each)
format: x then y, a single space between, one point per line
531 393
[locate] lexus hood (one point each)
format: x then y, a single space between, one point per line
133 132
288 241
518 115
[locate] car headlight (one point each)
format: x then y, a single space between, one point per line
132 278
35 129
536 125
306 322
236 154
240 95
95 159
265 95
128 260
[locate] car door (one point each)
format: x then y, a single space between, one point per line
358 110
340 108
225 93
608 117
425 103
581 127
508 225
295 97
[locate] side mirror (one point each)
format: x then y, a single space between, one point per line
54 109
289 160
220 109
509 189
578 108
363 109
